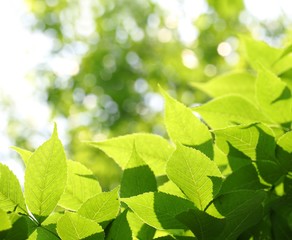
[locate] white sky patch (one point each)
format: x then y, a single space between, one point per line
269 10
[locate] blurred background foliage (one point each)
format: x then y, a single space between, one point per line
108 58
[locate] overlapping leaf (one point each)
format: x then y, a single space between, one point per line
102 207
137 177
185 128
72 226
10 191
229 110
159 209
273 96
241 83
81 185
45 177
192 172
153 149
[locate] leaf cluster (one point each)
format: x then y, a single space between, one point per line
224 174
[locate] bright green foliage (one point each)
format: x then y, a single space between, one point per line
71 226
227 174
11 196
102 207
274 97
45 177
185 128
81 185
192 172
153 149
5 221
137 177
259 52
229 110
159 209
241 83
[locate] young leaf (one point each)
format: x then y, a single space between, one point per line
153 149
137 177
5 222
258 51
229 110
120 227
71 226
185 128
159 209
45 177
273 96
241 83
102 207
256 141
19 230
10 191
81 185
203 225
191 171
24 154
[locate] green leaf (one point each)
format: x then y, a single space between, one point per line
71 226
273 96
284 151
159 209
5 222
184 127
45 177
140 230
137 177
256 141
242 209
43 234
153 149
244 178
191 171
19 230
203 225
229 110
120 227
10 191
259 52
171 188
81 185
102 207
240 83
24 154
281 229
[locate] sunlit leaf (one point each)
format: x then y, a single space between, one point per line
137 177
229 110
71 226
192 172
102 207
11 196
81 185
184 127
45 177
153 149
159 209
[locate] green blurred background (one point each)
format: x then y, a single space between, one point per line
106 59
